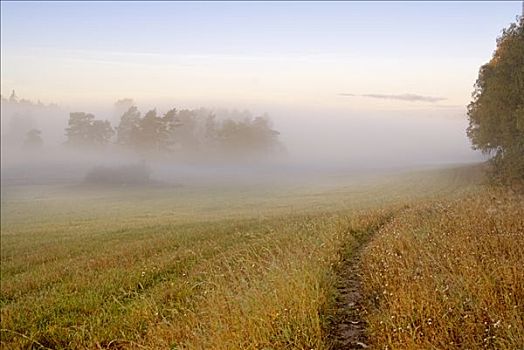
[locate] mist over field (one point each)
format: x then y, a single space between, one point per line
313 141
261 175
339 100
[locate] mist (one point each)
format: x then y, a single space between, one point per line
239 175
332 97
314 142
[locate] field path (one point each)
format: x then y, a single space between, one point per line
348 329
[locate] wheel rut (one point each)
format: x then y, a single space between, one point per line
348 330
348 327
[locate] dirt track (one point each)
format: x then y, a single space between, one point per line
348 327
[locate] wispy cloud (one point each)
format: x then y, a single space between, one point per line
401 97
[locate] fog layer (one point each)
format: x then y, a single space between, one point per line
311 141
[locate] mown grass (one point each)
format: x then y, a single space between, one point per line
449 274
168 268
232 284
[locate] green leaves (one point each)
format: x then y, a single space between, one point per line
496 114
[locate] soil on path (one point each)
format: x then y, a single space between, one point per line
348 327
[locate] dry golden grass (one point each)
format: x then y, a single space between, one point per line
183 270
247 284
273 294
449 275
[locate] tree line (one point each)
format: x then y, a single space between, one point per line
19 122
186 132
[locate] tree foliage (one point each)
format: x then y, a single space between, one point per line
148 134
85 131
496 114
248 136
21 119
196 133
187 134
128 128
199 134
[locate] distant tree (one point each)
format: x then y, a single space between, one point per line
124 103
100 132
151 133
85 131
171 123
19 115
13 97
496 114
248 137
33 139
18 125
231 137
211 131
120 107
128 129
197 132
265 138
78 131
186 135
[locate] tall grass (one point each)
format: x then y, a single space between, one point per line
279 296
449 275
172 268
232 284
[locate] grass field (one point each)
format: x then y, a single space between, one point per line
209 267
449 274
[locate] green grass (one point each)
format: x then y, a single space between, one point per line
188 267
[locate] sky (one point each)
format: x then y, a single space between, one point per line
254 52
354 72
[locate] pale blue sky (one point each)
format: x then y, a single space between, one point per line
249 51
259 27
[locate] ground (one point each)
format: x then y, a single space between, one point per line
229 266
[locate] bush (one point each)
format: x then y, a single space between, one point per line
123 175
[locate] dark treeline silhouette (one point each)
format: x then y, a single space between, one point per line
496 114
84 130
22 121
186 133
13 99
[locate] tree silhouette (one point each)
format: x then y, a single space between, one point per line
13 97
496 114
150 134
85 131
248 137
196 132
129 126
